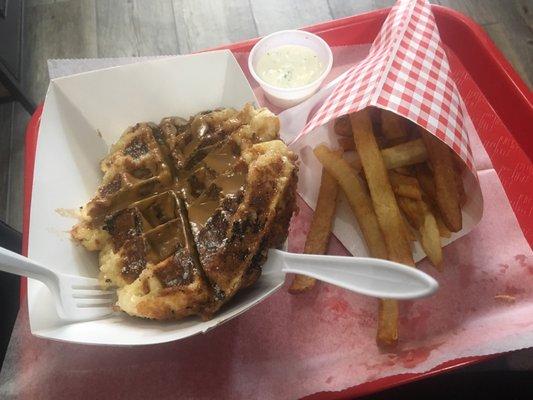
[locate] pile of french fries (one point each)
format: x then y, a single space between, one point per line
404 185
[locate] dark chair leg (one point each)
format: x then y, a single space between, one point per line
10 238
16 91
9 288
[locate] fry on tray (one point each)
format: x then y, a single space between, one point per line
388 214
405 186
408 153
358 198
341 126
445 178
388 313
361 205
320 230
393 127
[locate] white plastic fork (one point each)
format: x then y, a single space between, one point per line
369 276
77 298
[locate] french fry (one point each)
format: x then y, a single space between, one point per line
425 179
353 159
411 210
443 230
375 115
388 313
403 171
459 180
408 230
361 205
346 143
445 178
383 198
405 186
358 198
396 157
408 153
356 165
393 127
420 217
342 127
320 229
430 236
388 214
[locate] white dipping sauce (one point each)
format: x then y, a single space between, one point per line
289 66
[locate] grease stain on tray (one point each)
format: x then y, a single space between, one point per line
524 263
338 308
408 358
513 290
503 268
412 358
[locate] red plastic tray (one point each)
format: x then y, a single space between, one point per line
499 102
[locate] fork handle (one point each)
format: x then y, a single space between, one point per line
19 265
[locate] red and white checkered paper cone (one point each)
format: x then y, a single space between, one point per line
406 72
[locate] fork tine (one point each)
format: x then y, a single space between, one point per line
93 295
103 303
90 292
83 298
96 286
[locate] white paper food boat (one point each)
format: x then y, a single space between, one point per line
83 115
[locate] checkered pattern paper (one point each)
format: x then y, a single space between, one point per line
407 72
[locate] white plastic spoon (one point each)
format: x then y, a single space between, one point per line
369 276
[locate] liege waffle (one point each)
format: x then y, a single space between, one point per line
187 210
